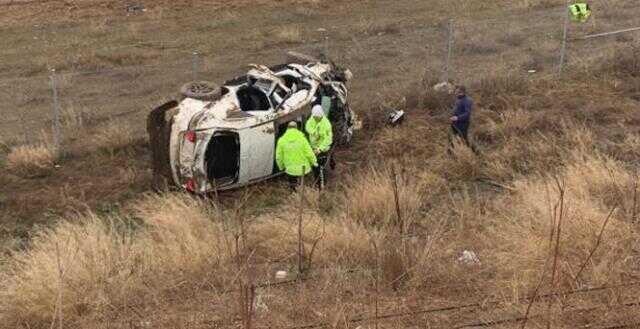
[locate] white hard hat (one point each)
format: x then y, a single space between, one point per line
317 111
293 124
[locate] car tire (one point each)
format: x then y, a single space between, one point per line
201 90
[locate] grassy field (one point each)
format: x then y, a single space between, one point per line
549 206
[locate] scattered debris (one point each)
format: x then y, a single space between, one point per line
469 258
396 117
135 8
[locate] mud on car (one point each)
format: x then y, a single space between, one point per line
217 138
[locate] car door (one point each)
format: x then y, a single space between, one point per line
257 148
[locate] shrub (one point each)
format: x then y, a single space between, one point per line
31 160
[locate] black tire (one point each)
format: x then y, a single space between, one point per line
201 90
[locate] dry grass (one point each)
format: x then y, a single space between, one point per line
518 240
113 136
289 34
370 198
99 265
31 160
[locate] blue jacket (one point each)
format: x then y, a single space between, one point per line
462 110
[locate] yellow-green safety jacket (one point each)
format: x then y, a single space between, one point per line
294 154
320 134
580 12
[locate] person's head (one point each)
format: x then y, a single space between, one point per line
317 112
292 124
461 91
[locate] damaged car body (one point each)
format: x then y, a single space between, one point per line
219 138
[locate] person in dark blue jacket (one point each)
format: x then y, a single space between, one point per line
461 117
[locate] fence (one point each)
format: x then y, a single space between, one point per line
385 58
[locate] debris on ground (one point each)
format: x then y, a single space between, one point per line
281 275
135 8
469 258
395 117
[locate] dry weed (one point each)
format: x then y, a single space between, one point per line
88 264
31 160
73 118
519 235
338 241
289 34
99 264
370 198
463 163
113 136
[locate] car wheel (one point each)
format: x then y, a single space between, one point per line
201 90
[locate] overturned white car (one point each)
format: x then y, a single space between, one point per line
218 138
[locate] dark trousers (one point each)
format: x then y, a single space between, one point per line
320 172
461 132
293 181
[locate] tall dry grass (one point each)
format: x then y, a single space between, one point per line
373 196
31 161
113 137
518 239
99 265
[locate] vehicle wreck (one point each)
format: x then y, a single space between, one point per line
218 138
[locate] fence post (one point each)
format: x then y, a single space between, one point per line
563 49
56 114
449 47
195 66
326 47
